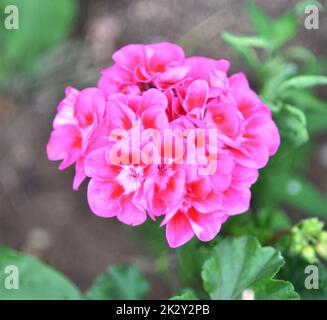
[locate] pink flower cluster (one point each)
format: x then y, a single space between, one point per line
156 88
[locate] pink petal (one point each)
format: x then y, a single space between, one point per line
141 74
220 182
97 165
175 189
163 54
236 201
239 80
155 119
178 230
249 103
201 67
206 226
66 109
168 197
152 98
65 144
196 95
129 213
252 154
171 77
263 128
225 117
120 116
128 57
200 188
225 162
90 107
244 177
79 174
115 79
103 197
223 65
211 203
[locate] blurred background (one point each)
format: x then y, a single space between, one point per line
67 42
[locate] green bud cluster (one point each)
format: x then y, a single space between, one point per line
309 240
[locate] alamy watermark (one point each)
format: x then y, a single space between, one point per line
11 278
311 21
311 281
11 17
171 146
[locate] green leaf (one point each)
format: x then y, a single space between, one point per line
123 282
237 264
302 54
317 122
261 23
292 125
244 41
269 221
275 73
302 82
262 224
187 294
274 290
316 109
37 281
284 29
293 189
191 257
307 101
276 32
245 51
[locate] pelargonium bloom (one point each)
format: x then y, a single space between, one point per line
167 137
76 129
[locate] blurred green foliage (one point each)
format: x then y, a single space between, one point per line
35 279
43 24
124 282
286 76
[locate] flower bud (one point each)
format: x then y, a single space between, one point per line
312 227
321 249
296 248
323 237
309 254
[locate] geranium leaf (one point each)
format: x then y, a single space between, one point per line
36 280
188 294
274 290
124 282
237 264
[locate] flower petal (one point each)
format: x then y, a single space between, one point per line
178 230
103 197
206 226
196 95
129 213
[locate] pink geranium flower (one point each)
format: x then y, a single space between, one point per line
153 99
